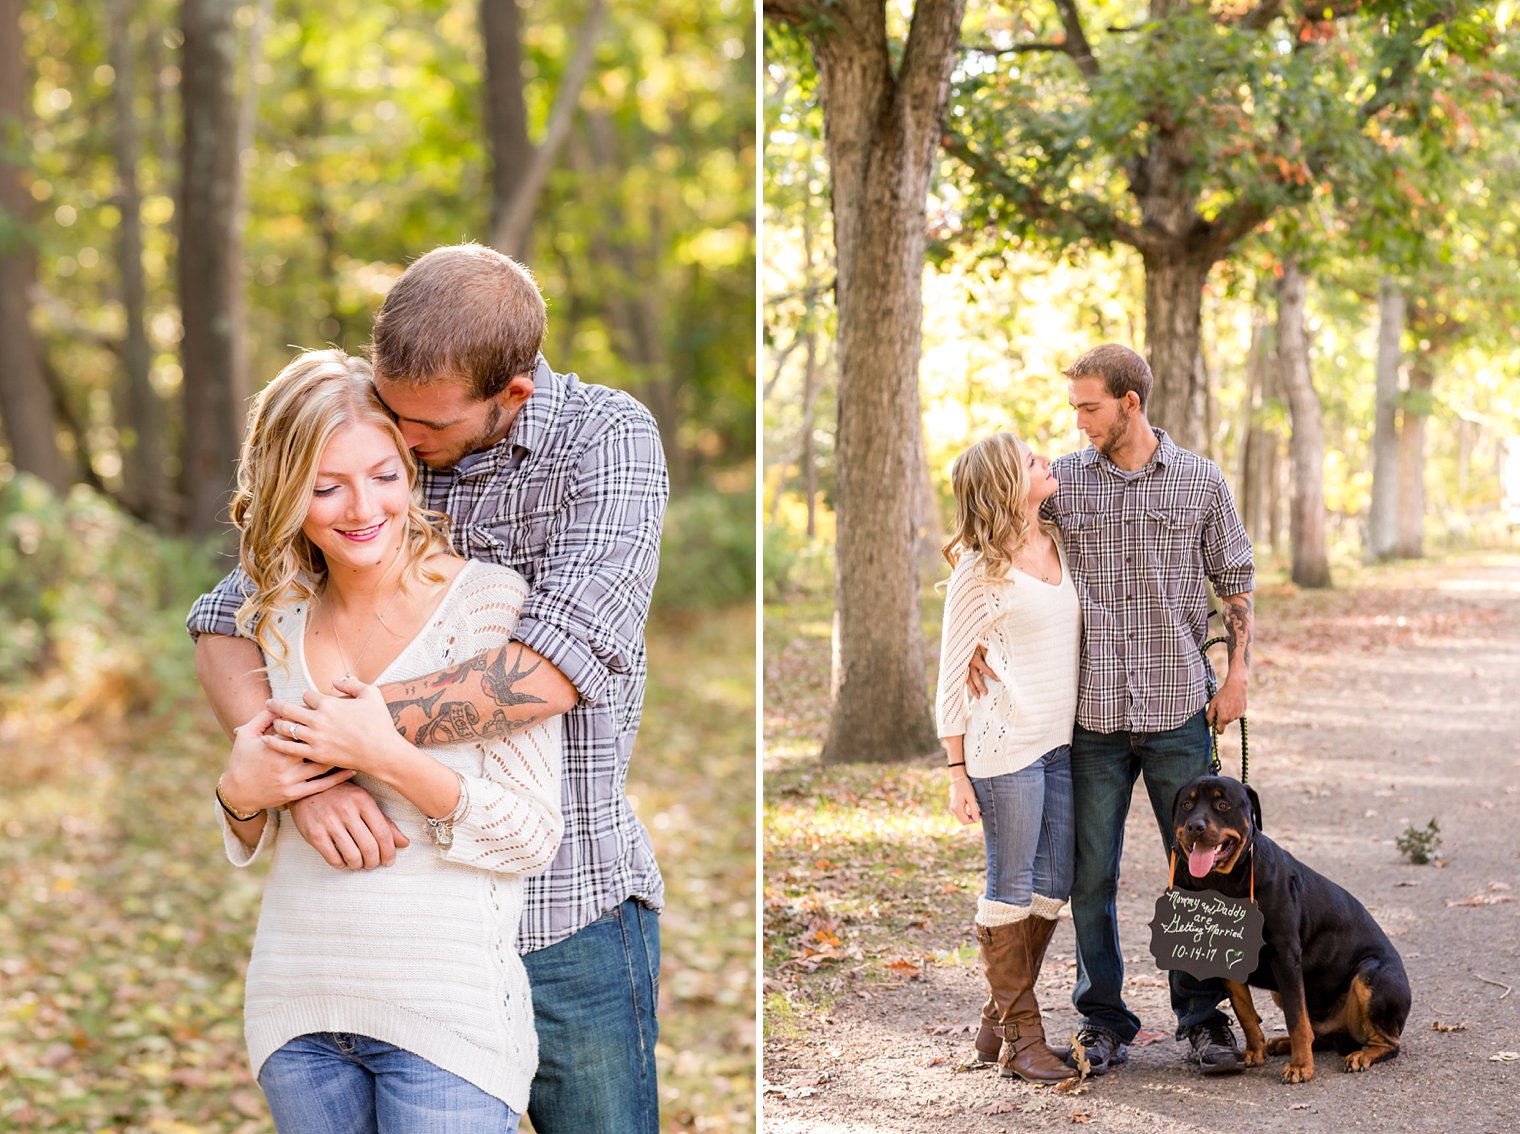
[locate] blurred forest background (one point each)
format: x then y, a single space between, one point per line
1305 216
192 190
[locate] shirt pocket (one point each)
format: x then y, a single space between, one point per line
1173 533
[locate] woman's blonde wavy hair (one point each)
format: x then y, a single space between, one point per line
991 482
291 422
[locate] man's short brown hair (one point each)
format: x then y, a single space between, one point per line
1121 369
462 312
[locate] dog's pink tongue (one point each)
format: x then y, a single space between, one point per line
1201 861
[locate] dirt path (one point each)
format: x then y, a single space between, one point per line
1371 711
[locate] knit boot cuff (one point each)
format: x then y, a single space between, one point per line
1049 908
992 913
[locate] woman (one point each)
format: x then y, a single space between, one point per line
393 999
1009 752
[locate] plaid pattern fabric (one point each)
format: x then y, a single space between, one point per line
574 499
1140 546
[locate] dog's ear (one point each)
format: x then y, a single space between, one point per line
1255 805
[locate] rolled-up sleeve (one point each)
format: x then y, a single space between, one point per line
588 606
1228 559
215 612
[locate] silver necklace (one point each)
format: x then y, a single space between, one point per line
332 621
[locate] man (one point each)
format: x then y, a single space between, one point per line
565 482
1145 523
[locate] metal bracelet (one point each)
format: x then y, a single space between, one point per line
443 829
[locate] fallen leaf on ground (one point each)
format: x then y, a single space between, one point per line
1147 1036
1081 1117
1440 1027
908 970
1504 1057
1480 900
933 1061
1003 1107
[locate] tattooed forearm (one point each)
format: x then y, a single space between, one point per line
1238 626
445 708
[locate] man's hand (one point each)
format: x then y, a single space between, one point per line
1228 705
979 673
347 828
963 803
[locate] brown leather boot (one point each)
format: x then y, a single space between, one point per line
1024 1054
989 1040
999 945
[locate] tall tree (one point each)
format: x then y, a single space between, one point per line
1181 135
1311 559
140 415
1382 525
883 112
215 383
520 169
25 404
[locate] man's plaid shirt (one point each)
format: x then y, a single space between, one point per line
1140 546
574 499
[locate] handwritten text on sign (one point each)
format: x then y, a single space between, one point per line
1207 934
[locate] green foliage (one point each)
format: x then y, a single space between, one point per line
1419 846
94 601
707 554
369 148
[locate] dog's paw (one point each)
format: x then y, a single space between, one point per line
1282 1045
1298 1073
1255 1056
1361 1060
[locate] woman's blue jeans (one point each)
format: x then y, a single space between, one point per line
337 1083
1104 767
1027 826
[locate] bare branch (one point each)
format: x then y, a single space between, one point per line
792 11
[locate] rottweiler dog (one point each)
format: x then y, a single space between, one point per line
1327 963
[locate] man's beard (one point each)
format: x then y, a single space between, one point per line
481 440
1117 433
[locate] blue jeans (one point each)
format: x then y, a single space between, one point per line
1104 767
594 997
337 1083
1027 826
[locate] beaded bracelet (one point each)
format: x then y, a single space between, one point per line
238 816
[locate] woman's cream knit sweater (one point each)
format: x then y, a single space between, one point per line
420 954
1033 634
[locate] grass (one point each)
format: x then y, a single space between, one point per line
125 933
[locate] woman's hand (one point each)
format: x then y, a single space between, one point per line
345 731
963 803
259 776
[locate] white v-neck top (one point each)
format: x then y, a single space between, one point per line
421 954
1033 634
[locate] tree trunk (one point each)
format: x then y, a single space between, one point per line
809 455
140 413
25 406
214 379
1255 457
512 221
1383 522
506 110
1311 563
1416 412
881 133
1174 282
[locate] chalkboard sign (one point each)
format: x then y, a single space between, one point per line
1207 934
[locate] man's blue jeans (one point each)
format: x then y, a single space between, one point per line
337 1083
1027 826
1104 767
594 997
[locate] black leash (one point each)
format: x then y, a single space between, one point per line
1245 759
